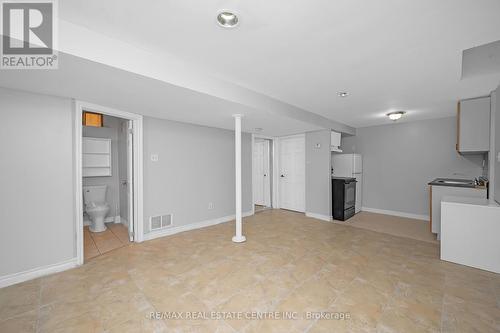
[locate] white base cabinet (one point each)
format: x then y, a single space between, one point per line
437 194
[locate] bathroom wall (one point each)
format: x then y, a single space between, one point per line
37 200
111 128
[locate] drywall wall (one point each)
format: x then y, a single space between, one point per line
110 131
318 173
399 160
496 146
195 167
36 177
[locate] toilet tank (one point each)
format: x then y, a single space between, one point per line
95 193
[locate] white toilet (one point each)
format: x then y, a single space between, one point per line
96 207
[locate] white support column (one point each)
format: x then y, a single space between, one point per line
238 238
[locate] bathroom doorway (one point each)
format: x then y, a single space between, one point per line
108 174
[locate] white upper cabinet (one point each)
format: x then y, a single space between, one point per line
335 141
473 125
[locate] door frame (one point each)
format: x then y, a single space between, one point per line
277 166
138 176
274 170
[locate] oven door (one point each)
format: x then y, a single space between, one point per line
349 194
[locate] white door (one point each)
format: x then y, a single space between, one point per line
130 181
261 175
292 173
258 173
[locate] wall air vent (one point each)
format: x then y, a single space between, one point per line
160 222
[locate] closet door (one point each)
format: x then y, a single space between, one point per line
292 173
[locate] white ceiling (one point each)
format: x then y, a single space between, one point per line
389 55
96 83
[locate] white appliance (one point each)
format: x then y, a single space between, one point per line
350 165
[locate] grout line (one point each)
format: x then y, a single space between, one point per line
118 237
95 244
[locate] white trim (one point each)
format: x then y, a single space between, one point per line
274 171
8 280
78 181
319 216
137 124
396 213
192 226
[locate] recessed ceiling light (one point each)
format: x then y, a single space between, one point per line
395 115
343 94
227 19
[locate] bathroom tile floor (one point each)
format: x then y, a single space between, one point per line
98 243
384 283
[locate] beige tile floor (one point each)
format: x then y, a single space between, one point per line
98 243
289 263
392 225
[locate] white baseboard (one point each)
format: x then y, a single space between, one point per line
191 226
396 213
319 216
8 280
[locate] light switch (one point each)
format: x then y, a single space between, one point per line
498 157
154 157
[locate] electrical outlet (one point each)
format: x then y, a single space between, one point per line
154 157
211 205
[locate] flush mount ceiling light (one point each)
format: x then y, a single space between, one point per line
258 129
227 19
343 94
395 115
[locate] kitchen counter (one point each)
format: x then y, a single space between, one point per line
442 187
468 183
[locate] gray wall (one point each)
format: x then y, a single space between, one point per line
36 177
400 159
195 167
318 173
109 131
496 147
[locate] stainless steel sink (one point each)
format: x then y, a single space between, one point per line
455 181
446 181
